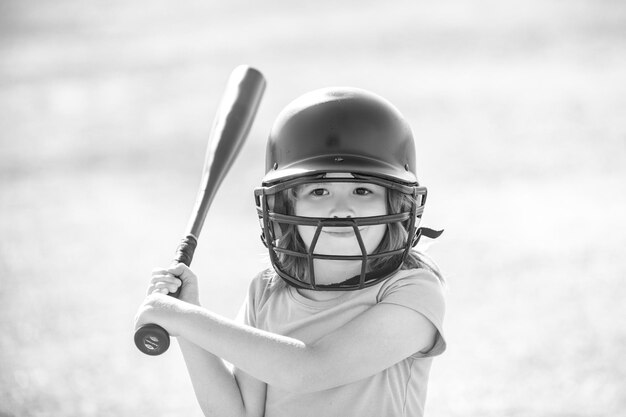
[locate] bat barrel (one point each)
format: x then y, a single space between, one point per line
230 128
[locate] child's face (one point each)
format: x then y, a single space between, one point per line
341 200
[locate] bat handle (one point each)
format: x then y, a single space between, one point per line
153 339
184 254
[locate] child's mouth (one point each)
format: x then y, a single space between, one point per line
340 232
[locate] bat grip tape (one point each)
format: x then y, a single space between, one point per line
184 254
186 248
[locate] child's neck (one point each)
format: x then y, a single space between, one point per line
331 272
319 295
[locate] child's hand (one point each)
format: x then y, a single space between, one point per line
168 280
162 310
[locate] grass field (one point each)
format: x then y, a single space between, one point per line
518 110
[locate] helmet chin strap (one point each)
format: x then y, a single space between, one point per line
356 279
425 231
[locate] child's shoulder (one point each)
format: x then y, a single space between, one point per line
418 289
419 274
414 279
263 285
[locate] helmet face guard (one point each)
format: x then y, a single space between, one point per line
294 262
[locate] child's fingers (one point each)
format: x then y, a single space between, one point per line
163 282
159 271
163 287
181 270
170 280
164 278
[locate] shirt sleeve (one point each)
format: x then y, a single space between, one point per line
246 313
256 291
421 291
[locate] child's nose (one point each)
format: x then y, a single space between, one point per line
342 208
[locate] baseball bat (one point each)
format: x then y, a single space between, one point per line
231 126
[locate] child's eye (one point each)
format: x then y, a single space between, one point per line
362 191
319 192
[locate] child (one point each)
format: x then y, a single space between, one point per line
348 319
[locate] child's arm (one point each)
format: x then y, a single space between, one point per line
219 390
374 341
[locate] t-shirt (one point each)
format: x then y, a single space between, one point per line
397 391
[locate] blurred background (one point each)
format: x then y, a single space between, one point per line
518 110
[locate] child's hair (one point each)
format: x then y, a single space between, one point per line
394 238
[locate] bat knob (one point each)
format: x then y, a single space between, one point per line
152 339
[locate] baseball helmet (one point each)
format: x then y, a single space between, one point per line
356 136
